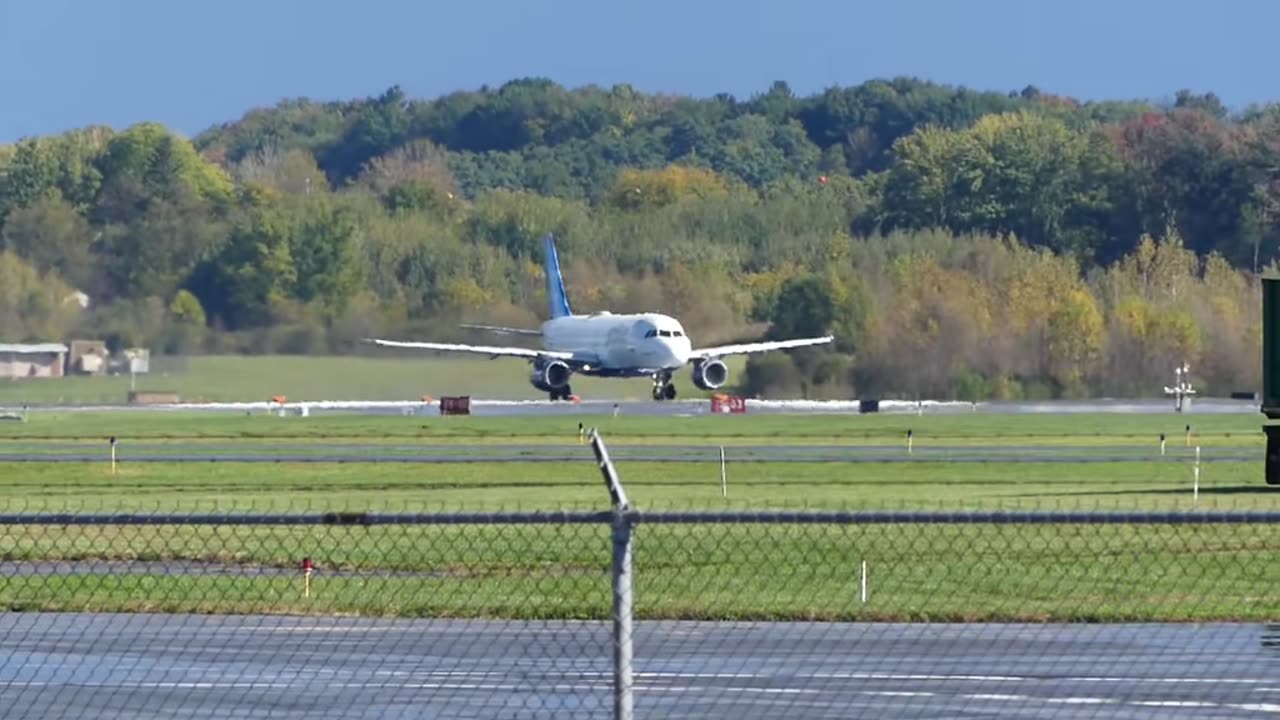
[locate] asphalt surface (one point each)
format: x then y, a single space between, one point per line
165 666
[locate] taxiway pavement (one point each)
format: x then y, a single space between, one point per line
164 666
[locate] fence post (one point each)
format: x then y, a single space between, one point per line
622 535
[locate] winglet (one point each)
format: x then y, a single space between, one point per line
556 298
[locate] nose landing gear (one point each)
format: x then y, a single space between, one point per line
663 389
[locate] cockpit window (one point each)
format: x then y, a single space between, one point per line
651 333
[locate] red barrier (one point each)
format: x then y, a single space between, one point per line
728 404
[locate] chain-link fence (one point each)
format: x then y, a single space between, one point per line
625 613
736 614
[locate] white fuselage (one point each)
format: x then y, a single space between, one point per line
624 344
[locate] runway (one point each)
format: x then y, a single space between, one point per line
163 666
195 451
678 408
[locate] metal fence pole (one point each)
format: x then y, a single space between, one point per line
623 532
622 678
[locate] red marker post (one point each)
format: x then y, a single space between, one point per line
307 567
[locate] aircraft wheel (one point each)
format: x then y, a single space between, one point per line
669 392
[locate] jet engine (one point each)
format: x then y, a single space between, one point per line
550 375
709 374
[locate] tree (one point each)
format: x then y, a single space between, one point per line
1076 338
186 309
804 308
252 274
413 177
380 124
1018 174
641 189
293 172
323 250
154 254
52 236
145 164
34 307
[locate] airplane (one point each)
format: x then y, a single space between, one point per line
603 344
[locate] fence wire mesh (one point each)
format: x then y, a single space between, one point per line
745 615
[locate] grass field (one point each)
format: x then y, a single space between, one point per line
936 572
925 482
917 572
958 429
405 375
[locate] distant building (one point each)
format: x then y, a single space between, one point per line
31 361
88 357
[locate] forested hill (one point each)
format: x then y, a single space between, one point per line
1011 243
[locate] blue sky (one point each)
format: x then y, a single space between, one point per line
187 64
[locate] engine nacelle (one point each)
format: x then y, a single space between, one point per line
551 375
709 374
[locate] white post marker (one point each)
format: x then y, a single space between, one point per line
1195 489
910 440
113 454
1161 444
863 582
724 482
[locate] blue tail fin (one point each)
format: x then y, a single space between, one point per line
555 284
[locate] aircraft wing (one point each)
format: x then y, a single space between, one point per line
744 348
490 350
503 330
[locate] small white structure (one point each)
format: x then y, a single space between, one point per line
1181 390
32 360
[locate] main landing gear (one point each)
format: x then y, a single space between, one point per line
663 389
564 393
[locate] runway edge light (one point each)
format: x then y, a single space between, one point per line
307 567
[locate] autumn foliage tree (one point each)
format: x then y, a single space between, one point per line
956 243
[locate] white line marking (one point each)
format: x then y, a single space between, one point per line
1258 707
906 676
1080 701
1173 681
1015 678
895 693
701 676
986 696
1173 703
163 685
